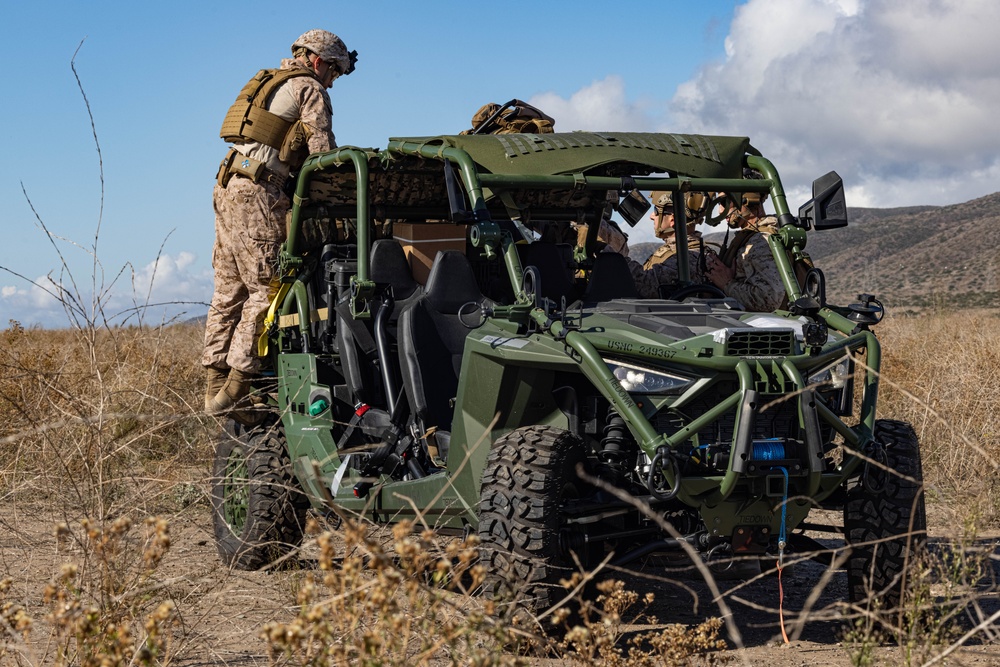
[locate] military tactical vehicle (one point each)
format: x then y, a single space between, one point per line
522 391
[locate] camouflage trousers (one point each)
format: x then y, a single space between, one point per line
249 231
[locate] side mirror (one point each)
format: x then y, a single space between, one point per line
828 207
633 207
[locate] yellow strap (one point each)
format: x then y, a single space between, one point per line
269 318
285 321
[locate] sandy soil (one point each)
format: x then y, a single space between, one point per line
223 611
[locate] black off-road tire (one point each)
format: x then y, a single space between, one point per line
529 474
885 521
258 510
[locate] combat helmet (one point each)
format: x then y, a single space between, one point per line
753 197
662 199
329 47
694 203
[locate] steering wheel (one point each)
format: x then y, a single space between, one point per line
709 291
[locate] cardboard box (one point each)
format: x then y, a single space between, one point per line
422 242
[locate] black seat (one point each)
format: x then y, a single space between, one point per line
356 338
388 266
610 279
432 340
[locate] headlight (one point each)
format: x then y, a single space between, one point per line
834 376
639 380
835 382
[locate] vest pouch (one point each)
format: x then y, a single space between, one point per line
224 174
295 147
246 166
526 126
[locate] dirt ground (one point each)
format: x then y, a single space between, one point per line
223 611
814 623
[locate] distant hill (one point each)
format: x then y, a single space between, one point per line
914 256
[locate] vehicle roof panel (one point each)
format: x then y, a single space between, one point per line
694 155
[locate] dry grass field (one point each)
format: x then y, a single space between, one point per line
107 555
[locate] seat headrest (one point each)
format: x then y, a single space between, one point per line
451 283
552 261
610 279
389 266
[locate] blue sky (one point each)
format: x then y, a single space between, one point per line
896 96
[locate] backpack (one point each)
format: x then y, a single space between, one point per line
514 117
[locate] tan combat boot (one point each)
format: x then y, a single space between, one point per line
236 388
216 380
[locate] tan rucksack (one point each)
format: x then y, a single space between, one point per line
514 117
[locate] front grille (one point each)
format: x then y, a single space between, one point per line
776 419
760 343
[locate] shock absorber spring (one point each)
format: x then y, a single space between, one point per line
613 445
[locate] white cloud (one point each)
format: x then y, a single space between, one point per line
168 276
897 96
168 287
600 106
31 303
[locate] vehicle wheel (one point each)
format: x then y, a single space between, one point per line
257 507
885 519
529 476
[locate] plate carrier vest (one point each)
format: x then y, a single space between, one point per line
248 120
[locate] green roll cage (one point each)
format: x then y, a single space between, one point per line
486 235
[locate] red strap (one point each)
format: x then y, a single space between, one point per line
781 600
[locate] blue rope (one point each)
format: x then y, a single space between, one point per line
771 449
781 552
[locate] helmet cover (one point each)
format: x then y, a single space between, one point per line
327 46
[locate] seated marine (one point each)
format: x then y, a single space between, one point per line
660 271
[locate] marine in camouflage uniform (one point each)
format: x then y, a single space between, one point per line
668 251
745 268
661 268
250 213
663 225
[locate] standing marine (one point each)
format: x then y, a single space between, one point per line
280 117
